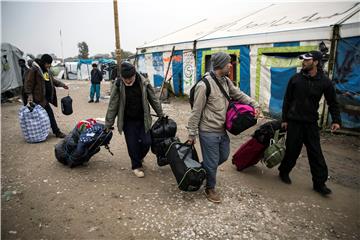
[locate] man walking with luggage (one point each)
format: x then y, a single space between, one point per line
300 116
130 97
208 119
39 87
96 78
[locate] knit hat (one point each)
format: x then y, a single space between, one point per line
220 59
127 70
46 58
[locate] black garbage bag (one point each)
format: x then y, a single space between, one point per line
266 132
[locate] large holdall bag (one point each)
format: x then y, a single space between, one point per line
78 147
34 123
184 163
248 154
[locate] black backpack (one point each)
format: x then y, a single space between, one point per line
192 91
66 105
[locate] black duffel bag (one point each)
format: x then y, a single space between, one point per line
161 149
184 163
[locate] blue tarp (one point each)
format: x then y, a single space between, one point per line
177 73
158 65
279 80
347 80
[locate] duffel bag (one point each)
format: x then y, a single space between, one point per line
275 152
239 117
184 163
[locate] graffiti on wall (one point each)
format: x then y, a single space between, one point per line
189 69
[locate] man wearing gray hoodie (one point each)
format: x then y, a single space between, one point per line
208 117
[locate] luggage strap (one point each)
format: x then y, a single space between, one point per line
191 169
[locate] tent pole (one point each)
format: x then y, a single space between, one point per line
195 66
334 40
167 71
117 37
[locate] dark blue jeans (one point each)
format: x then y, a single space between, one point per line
215 149
138 142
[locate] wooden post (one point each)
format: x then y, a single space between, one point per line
167 71
334 40
117 38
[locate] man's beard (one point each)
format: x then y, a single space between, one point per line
306 69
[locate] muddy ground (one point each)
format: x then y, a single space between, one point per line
42 199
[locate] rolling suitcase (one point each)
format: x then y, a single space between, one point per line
248 154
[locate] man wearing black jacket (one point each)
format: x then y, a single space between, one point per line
300 116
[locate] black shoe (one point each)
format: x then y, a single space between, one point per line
323 189
90 101
97 101
60 135
285 178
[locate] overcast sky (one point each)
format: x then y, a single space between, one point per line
34 26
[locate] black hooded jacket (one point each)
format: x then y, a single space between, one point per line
302 97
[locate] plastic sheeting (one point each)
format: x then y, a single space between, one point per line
347 81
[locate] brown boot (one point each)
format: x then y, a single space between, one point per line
212 195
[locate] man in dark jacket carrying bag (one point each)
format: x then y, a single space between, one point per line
300 116
96 78
130 100
39 87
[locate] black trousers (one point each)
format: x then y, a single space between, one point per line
53 123
299 133
137 140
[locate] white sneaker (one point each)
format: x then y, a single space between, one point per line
139 173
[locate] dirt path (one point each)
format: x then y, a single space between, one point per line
41 199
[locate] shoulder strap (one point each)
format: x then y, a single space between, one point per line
208 88
220 87
276 136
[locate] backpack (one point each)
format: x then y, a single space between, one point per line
192 91
275 152
66 105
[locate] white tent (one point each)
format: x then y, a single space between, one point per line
10 69
283 22
264 46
